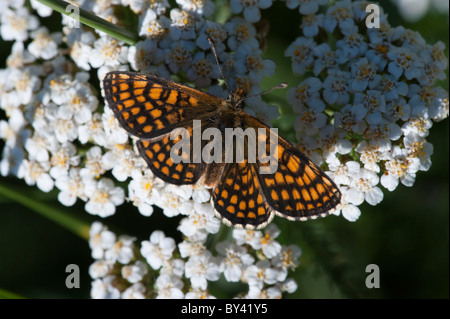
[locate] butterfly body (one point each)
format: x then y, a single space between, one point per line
150 108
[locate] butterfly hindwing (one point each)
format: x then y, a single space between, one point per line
238 198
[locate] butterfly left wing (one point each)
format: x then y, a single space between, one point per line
147 106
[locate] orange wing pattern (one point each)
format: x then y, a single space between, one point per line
150 108
238 197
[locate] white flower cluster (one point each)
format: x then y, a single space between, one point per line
377 84
57 135
159 268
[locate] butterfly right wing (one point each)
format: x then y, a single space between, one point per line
297 188
238 198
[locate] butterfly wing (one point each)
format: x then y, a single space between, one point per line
238 198
147 106
152 108
298 189
176 157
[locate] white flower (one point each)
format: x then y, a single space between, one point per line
122 250
364 74
114 133
288 258
350 118
174 200
100 268
25 83
100 239
44 45
80 103
103 288
248 237
251 8
249 62
136 291
93 166
169 287
289 286
103 197
19 56
71 187
269 246
200 222
261 273
107 51
336 87
349 211
122 160
363 187
404 61
340 14
241 31
400 167
235 260
200 268
301 53
183 24
188 248
419 123
178 56
80 43
203 7
418 147
255 292
158 250
36 173
92 130
325 58
199 294
134 273
62 159
16 24
203 70
306 94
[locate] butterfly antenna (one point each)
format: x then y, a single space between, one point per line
279 86
213 48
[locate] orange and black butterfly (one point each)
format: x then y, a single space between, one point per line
150 108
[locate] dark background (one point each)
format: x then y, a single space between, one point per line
406 235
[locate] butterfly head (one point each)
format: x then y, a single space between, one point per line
236 99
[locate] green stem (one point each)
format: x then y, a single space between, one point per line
5 294
71 223
92 20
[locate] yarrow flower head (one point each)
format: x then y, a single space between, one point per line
362 109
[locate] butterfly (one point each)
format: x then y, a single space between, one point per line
150 108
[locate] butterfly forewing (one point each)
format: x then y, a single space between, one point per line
148 106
